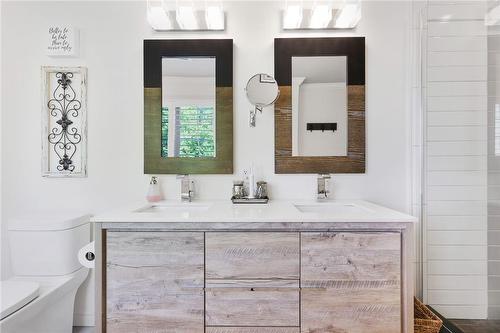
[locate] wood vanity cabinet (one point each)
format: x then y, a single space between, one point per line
249 282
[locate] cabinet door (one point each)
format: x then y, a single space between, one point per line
351 282
154 282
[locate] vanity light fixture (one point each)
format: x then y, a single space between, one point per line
179 15
292 17
321 16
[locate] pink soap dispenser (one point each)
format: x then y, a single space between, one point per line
154 194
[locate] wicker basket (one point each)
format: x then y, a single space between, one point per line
425 320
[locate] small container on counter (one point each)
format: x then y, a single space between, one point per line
261 191
154 194
238 189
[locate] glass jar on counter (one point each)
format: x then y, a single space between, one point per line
238 189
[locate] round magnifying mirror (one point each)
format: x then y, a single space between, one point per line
262 90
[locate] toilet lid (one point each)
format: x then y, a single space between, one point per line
16 294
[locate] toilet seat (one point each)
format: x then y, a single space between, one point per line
15 295
52 310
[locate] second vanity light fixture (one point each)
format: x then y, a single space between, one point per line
168 15
303 15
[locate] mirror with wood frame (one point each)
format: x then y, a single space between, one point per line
188 106
320 114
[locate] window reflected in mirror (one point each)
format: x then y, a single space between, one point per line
319 106
188 107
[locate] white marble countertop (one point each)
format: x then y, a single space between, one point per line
350 211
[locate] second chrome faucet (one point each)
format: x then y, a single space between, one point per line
323 187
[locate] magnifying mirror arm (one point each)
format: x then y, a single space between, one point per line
253 115
252 118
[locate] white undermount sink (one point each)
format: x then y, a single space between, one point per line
331 208
181 207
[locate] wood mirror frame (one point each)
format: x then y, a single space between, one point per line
354 49
222 50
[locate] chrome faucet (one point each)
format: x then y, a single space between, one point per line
187 188
323 186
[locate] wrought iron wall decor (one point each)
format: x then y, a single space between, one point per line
64 148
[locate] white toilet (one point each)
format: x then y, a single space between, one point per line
41 296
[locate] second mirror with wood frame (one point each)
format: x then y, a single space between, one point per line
320 114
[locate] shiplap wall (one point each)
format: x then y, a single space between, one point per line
456 161
494 172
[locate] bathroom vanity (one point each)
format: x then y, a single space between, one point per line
282 267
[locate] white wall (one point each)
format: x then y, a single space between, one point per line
111 48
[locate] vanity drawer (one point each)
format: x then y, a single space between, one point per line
257 329
252 303
353 310
333 256
252 255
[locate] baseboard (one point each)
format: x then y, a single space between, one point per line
83 319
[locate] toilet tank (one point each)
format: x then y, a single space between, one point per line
47 244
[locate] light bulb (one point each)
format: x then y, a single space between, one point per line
349 16
186 18
320 17
292 17
214 16
157 18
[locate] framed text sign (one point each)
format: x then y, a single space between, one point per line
62 41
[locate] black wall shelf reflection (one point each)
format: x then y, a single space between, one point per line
322 127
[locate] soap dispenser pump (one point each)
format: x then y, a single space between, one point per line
154 194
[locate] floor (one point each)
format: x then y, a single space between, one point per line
468 325
477 326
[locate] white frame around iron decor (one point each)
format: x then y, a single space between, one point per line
74 106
